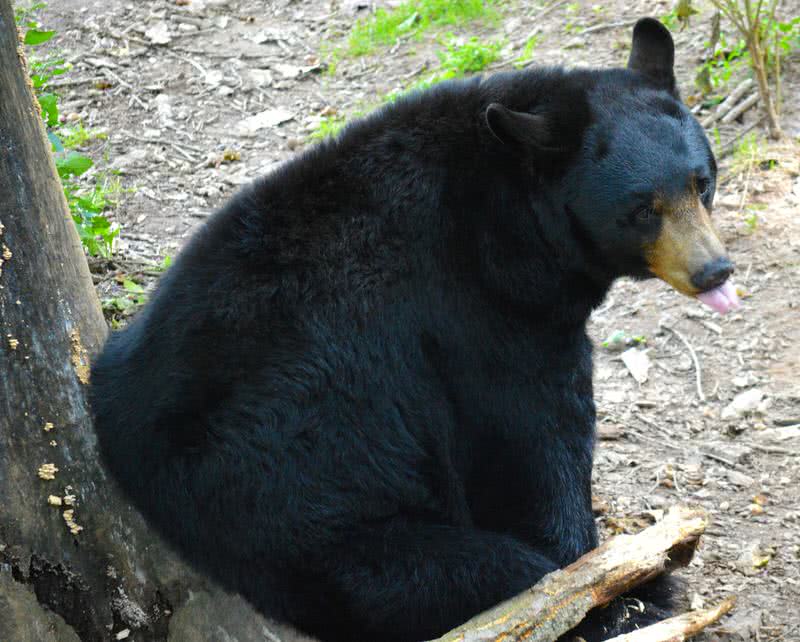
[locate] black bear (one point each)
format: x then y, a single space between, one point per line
362 396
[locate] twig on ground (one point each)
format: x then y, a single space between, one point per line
607 26
693 354
742 107
723 460
729 103
539 16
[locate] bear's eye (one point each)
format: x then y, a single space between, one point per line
644 214
703 187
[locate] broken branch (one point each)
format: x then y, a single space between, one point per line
680 628
562 599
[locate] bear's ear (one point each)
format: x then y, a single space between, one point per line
653 52
517 127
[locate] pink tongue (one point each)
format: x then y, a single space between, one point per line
721 299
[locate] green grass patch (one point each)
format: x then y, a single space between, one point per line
469 57
527 53
456 60
76 136
748 154
327 127
87 199
411 18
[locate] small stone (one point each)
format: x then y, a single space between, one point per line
609 432
158 34
754 558
744 403
599 505
740 479
637 362
268 118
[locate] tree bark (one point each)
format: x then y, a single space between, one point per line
758 58
563 598
76 562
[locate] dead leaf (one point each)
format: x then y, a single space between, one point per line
637 362
268 118
158 34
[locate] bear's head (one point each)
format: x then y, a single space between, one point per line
641 176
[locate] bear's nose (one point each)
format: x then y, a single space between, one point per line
714 273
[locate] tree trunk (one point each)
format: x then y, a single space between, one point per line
76 562
758 57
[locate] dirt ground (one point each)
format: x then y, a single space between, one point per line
173 84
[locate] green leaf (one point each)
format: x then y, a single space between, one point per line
55 142
73 165
408 22
49 104
132 286
93 203
35 37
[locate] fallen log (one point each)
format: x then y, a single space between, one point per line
562 599
679 628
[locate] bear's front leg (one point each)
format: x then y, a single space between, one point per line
535 484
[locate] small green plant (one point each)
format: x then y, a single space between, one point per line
670 20
133 296
327 127
767 39
727 59
469 57
680 15
76 136
86 204
456 60
166 262
527 52
96 232
572 10
620 340
747 154
751 217
411 18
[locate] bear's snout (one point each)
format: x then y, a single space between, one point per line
713 274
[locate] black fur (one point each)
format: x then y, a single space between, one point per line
362 396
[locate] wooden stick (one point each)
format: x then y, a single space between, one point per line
729 103
742 107
680 628
698 375
563 598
